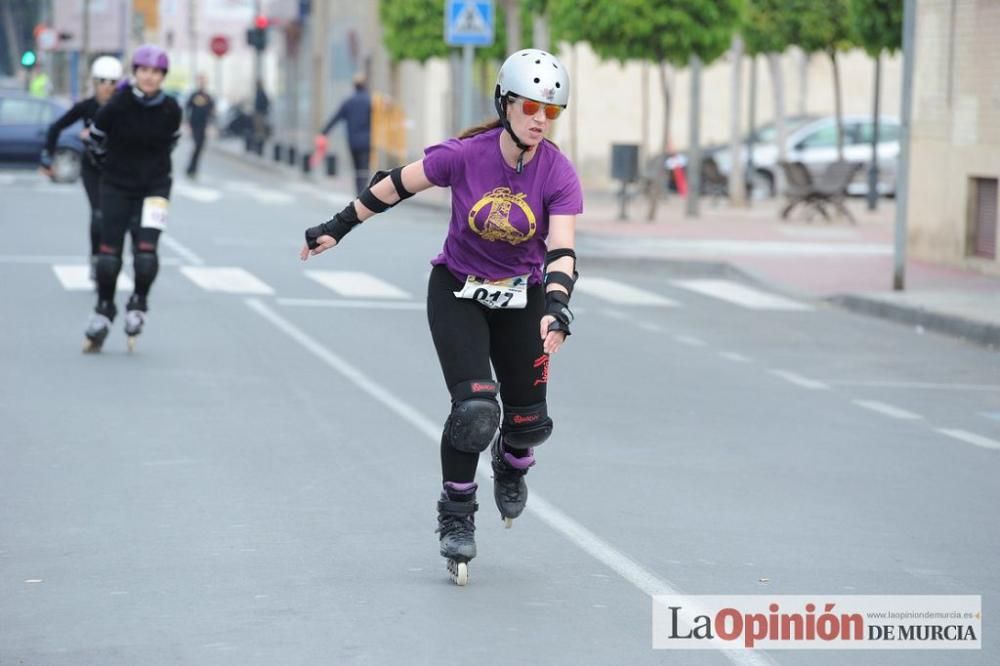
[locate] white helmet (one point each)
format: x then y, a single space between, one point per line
106 67
534 74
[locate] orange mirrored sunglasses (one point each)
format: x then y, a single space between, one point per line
530 107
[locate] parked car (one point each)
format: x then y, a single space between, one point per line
24 122
814 143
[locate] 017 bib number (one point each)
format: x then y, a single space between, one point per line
506 294
154 213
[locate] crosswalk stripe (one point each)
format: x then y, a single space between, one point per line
202 194
258 193
75 277
230 280
742 295
971 438
355 284
620 293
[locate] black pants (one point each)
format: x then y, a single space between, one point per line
468 336
360 157
198 134
121 213
92 185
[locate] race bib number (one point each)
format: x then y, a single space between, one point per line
154 213
506 294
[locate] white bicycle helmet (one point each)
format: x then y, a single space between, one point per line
106 67
534 74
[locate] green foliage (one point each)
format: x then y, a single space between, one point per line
820 26
414 30
767 27
657 30
878 24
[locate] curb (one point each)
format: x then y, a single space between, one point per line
977 332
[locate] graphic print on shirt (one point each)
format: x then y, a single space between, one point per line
496 224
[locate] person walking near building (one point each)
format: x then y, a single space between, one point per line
199 110
356 112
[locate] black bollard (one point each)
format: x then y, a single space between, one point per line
331 165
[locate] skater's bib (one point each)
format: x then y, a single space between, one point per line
508 294
154 213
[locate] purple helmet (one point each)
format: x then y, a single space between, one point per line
151 55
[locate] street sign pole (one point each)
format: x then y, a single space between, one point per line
468 23
468 63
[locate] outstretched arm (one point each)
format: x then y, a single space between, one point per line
560 274
381 195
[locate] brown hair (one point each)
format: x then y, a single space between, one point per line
486 127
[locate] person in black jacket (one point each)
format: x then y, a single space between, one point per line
132 137
200 109
356 112
105 72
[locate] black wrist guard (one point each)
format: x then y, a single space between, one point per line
338 227
557 305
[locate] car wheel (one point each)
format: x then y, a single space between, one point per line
762 184
66 166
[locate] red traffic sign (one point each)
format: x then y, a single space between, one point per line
220 45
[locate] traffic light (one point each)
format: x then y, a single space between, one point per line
28 59
260 22
257 38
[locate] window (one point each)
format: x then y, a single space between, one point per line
14 111
887 133
824 137
983 218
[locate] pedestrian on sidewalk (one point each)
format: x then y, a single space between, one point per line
356 112
133 136
261 115
105 73
499 290
200 109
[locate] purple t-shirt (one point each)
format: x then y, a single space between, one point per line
500 218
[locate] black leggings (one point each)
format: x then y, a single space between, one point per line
468 336
121 213
92 185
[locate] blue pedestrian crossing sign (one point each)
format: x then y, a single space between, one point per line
469 22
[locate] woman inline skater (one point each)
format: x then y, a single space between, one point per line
105 73
499 290
132 137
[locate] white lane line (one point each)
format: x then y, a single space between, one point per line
690 340
230 280
740 294
921 385
178 248
77 278
971 438
590 543
735 357
614 314
7 179
260 194
340 303
887 410
799 380
67 259
620 293
197 193
356 284
651 327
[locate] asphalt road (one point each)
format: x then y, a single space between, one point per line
256 483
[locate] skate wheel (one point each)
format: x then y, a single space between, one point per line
508 522
90 347
459 572
131 343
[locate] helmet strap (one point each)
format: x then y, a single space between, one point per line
500 102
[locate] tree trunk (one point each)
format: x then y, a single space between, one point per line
513 9
752 129
873 167
657 180
778 85
736 180
803 82
837 105
10 37
540 32
694 146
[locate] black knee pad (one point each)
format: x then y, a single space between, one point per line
146 264
475 416
526 427
108 267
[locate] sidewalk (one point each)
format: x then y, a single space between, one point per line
849 266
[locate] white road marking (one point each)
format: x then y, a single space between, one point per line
651 327
690 340
341 303
356 284
971 438
584 539
230 280
740 294
887 410
77 278
735 357
620 293
178 248
7 179
922 385
196 192
259 194
799 380
614 314
66 259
